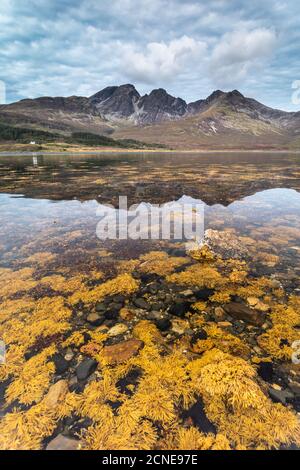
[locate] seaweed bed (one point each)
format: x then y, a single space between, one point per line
142 344
173 352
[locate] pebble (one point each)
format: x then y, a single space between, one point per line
204 294
179 325
219 313
118 329
100 307
69 355
86 368
163 324
95 319
180 309
61 364
141 303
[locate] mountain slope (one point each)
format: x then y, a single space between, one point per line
223 120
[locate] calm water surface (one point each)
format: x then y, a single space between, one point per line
49 203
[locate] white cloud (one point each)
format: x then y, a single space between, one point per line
239 52
162 61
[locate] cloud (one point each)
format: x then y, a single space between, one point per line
240 52
162 61
64 47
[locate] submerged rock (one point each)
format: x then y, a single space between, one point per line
95 319
56 393
180 309
63 443
123 351
118 329
240 311
86 368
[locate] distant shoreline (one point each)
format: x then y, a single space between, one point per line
138 151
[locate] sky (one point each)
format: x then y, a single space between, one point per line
189 47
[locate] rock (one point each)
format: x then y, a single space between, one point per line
276 387
239 326
157 306
118 329
258 304
95 319
179 325
276 284
187 293
163 324
266 371
111 314
69 355
224 324
126 314
240 311
123 351
56 393
120 299
281 396
100 307
63 443
180 309
204 294
219 313
199 335
141 303
61 364
86 368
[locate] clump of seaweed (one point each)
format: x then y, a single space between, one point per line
278 340
122 284
198 275
158 262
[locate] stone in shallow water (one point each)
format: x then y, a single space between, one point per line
204 294
141 303
123 351
265 371
63 443
281 396
163 324
61 364
180 309
240 311
56 393
94 319
118 329
86 368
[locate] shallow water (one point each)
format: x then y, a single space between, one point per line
67 296
49 203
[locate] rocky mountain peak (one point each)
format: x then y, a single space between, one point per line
116 102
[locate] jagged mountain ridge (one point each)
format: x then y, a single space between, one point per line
121 110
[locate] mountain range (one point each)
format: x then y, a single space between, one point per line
224 120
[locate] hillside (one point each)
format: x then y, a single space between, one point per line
223 120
